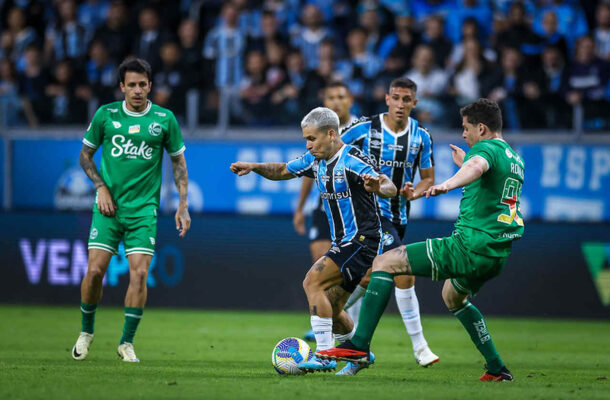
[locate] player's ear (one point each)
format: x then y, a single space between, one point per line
122 86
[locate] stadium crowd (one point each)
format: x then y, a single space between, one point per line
268 60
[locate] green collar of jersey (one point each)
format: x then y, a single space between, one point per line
137 114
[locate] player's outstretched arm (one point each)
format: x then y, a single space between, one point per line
411 192
468 173
105 203
380 185
298 220
272 171
181 178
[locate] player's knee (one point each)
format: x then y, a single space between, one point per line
309 283
138 277
95 272
380 263
450 298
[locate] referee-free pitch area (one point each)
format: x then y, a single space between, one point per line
227 355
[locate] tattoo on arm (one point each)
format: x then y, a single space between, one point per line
273 171
181 177
319 265
85 160
314 310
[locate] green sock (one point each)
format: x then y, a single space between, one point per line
373 305
473 321
132 319
87 317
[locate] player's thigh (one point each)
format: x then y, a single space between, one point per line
394 261
323 274
318 248
105 234
140 235
99 260
139 261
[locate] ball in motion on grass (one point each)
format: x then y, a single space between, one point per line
288 353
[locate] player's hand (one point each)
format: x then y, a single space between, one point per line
458 155
104 202
242 168
408 191
436 190
183 219
371 183
298 220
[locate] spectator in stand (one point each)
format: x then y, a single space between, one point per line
32 81
34 13
572 20
465 84
225 44
92 13
115 33
518 34
269 33
369 21
287 95
315 83
10 104
64 98
403 40
101 73
557 111
470 31
308 37
170 85
463 9
393 68
148 41
16 38
588 84
433 37
550 34
602 31
276 74
254 91
66 39
421 9
191 60
431 84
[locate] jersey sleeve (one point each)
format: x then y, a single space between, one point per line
427 158
94 136
484 150
361 164
302 166
355 134
174 144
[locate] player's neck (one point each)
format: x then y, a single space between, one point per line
336 148
394 125
136 109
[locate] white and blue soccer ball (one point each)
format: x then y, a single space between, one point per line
288 353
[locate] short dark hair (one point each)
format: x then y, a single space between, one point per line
134 64
337 84
483 111
403 83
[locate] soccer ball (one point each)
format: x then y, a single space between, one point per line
288 353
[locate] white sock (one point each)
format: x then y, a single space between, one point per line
406 299
342 338
323 331
354 310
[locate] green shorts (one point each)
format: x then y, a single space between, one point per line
447 258
138 234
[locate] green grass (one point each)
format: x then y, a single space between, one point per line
226 355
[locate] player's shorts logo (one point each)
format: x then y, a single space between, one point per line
152 240
93 234
154 129
387 239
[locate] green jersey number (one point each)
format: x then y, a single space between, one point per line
510 197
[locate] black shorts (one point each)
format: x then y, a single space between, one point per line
392 234
354 258
319 229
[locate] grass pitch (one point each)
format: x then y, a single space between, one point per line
226 355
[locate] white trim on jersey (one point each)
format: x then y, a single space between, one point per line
352 119
391 132
481 157
89 144
177 153
137 114
337 154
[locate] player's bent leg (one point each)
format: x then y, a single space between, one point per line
472 319
91 293
318 248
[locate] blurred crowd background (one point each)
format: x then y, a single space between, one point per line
264 62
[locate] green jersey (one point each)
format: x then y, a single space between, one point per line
490 218
132 151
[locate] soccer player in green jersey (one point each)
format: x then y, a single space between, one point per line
489 221
132 134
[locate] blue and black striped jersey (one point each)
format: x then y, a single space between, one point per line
351 210
398 156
